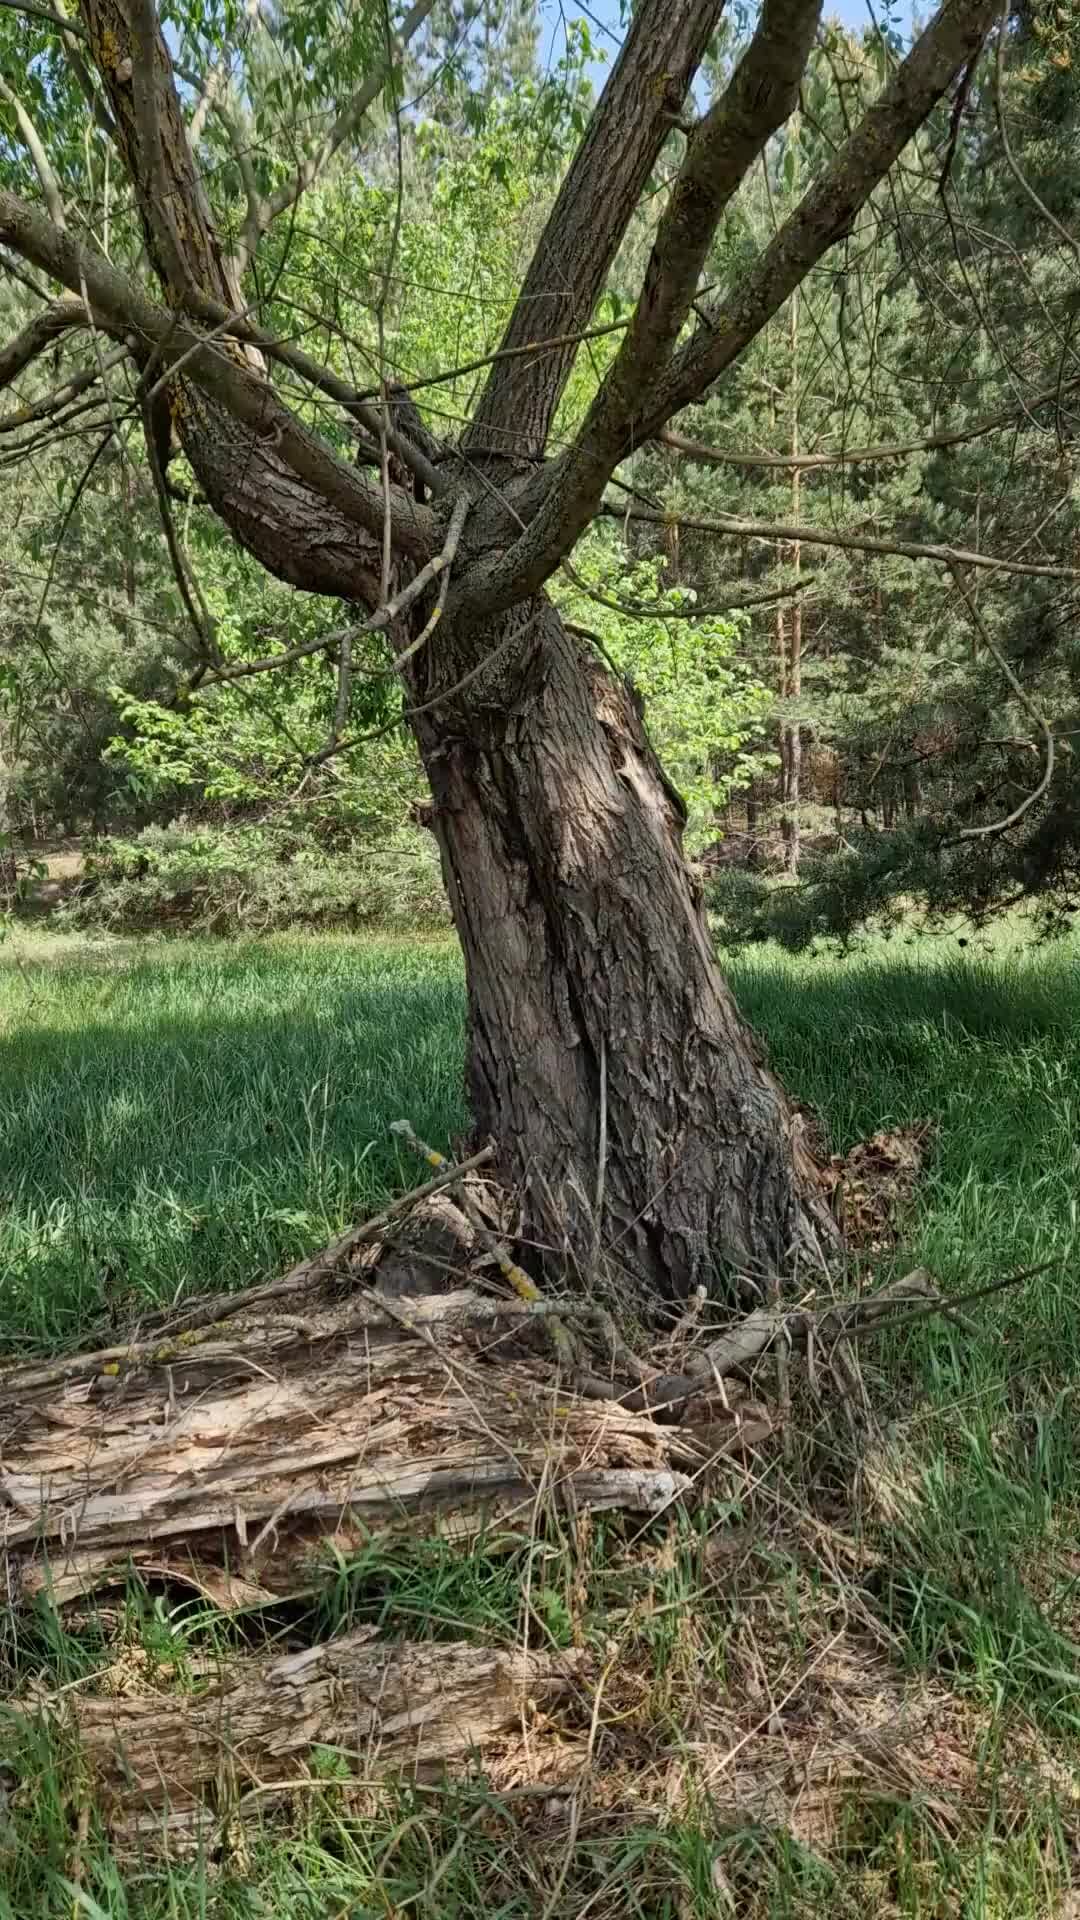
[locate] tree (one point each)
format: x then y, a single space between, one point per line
937 387
607 1058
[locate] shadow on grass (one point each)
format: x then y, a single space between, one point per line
183 1116
172 1126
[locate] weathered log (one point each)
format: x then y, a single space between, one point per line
176 1772
243 1458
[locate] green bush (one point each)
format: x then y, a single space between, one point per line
258 878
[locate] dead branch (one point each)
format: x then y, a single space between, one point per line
742 528
172 1773
525 1288
443 562
243 1459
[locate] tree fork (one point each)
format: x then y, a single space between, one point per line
597 1010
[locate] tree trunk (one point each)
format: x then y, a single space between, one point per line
607 1057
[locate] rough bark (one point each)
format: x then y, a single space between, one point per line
594 993
176 1773
640 104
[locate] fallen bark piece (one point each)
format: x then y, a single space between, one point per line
174 1773
245 1460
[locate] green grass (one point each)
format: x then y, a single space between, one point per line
184 1116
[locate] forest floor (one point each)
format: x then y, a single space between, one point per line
834 1684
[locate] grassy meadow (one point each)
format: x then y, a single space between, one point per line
187 1115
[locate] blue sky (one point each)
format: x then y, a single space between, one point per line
604 14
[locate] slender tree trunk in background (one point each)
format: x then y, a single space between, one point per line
128 494
9 866
595 1001
753 814
792 752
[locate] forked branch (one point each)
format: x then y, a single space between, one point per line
825 214
757 100
637 110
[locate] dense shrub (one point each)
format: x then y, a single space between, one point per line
258 878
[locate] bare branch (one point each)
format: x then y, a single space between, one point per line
734 524
1010 820
445 560
210 89
741 596
188 586
35 147
60 396
826 212
515 638
272 662
348 120
436 569
643 96
507 353
850 456
344 688
761 93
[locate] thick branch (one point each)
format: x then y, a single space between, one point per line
597 200
135 67
324 380
826 213
39 334
757 100
242 393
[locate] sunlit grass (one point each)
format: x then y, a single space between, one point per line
184 1116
